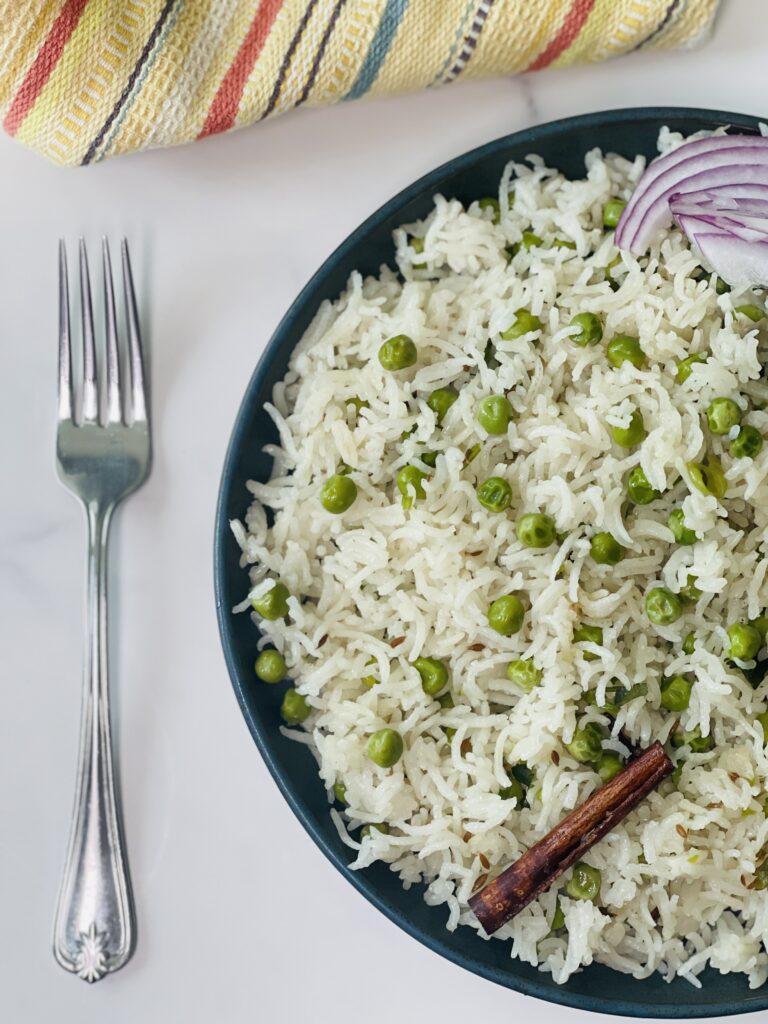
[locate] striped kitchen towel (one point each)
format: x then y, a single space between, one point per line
81 80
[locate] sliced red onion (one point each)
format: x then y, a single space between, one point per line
694 225
648 211
744 212
742 264
724 200
729 195
732 221
639 202
756 223
746 217
716 189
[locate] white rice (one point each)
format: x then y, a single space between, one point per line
674 897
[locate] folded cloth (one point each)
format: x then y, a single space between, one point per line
81 80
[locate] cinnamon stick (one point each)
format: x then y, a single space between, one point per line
546 860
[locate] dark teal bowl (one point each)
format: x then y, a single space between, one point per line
562 144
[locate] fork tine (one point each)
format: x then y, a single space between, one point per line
114 410
136 355
66 402
90 385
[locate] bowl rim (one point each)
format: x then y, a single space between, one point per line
284 334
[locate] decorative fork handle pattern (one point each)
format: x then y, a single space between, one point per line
94 932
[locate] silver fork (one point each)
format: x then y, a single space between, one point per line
102 454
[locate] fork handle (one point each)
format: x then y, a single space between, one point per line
95 927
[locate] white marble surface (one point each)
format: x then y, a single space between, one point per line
224 234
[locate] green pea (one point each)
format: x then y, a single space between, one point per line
528 241
558 918
617 696
698 744
615 263
514 791
612 212
762 718
722 414
584 883
606 550
523 673
662 606
676 523
270 666
590 329
440 401
434 675
380 826
274 604
472 453
634 434
744 641
524 323
625 349
638 488
494 413
491 204
340 792
685 366
609 764
369 681
417 244
358 403
495 494
338 494
689 643
385 747
429 459
589 634
708 477
410 478
690 592
720 286
505 615
294 708
587 743
445 700
750 310
676 693
563 243
397 353
761 625
536 530
590 698
747 444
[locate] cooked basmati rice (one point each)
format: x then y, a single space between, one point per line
674 895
